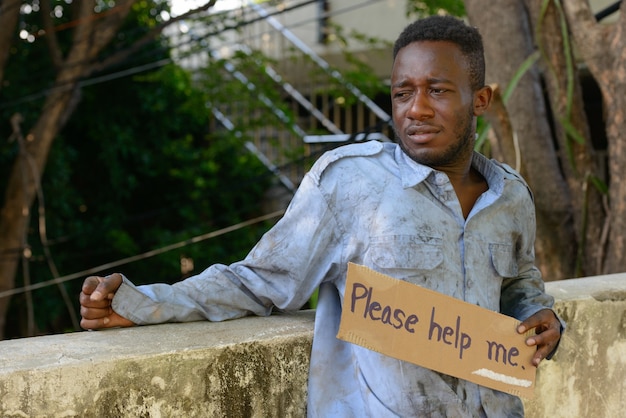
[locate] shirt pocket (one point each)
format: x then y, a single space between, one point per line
406 252
503 259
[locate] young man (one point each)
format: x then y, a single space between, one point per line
428 210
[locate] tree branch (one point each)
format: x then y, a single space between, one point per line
51 35
87 41
147 38
9 14
591 37
106 27
82 33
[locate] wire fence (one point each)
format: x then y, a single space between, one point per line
142 256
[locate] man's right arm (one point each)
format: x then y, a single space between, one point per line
95 298
282 270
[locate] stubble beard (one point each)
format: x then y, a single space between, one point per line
458 150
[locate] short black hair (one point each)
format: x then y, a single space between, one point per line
448 29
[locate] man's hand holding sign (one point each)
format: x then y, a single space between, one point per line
438 332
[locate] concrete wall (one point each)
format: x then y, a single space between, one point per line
587 376
257 367
253 367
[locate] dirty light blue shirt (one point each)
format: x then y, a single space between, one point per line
370 204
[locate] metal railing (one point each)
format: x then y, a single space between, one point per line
312 100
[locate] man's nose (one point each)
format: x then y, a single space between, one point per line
421 107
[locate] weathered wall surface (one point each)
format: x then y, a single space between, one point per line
257 367
587 376
253 367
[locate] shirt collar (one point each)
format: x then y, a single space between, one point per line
490 171
413 173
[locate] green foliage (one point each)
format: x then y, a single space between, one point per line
357 72
155 171
432 7
135 168
240 86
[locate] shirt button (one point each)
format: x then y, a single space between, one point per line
470 283
440 179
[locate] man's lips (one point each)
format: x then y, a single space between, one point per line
421 133
421 130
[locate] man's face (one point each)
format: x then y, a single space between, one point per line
433 104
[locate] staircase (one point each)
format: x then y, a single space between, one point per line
273 91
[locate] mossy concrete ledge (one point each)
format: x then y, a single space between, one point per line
257 367
587 376
250 367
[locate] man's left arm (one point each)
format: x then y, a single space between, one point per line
523 297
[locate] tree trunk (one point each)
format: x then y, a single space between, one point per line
603 48
507 36
25 177
21 190
9 15
577 160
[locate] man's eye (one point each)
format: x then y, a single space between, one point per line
438 91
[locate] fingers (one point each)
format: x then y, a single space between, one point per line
543 318
94 317
90 324
547 333
94 314
104 319
86 301
100 288
545 342
95 303
90 284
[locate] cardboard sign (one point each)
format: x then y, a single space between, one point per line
439 332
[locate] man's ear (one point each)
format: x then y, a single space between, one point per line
482 100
